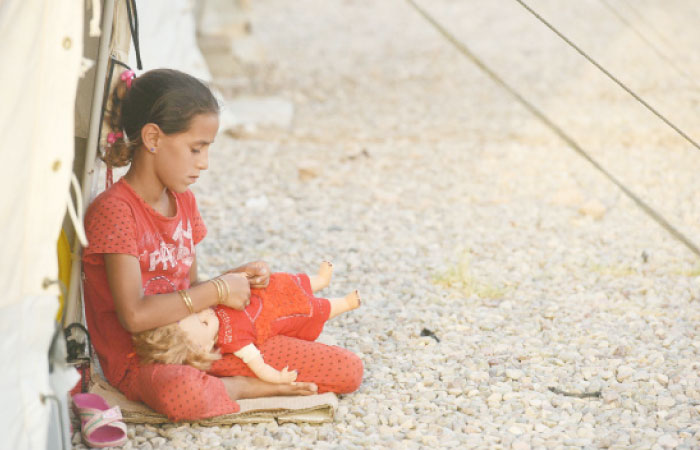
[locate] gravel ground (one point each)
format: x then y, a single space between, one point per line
452 209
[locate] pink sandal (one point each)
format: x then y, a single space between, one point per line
100 425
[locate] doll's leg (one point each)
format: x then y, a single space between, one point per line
345 304
323 278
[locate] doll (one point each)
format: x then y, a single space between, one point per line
286 306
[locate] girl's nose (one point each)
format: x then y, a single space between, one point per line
203 161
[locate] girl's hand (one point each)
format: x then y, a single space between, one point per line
258 274
239 290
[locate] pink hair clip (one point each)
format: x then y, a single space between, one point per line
128 76
112 137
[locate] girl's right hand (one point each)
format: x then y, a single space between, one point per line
239 290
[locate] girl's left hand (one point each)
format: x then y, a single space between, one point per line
258 274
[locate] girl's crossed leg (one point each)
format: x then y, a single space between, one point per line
186 393
331 368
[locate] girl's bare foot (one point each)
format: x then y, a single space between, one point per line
240 387
323 278
347 303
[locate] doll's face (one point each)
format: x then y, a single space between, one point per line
201 328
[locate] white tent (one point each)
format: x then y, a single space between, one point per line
42 48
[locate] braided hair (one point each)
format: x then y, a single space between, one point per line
165 97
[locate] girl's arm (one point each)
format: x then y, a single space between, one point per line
193 272
252 358
138 312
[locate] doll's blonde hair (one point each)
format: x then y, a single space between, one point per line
170 345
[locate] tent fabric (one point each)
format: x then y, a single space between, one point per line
41 48
119 50
42 45
167 36
26 327
167 39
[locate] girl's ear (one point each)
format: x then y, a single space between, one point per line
150 133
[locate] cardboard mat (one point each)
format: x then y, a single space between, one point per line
296 409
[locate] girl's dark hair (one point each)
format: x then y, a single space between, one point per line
168 98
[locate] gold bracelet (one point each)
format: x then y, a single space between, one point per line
187 299
224 293
225 285
219 290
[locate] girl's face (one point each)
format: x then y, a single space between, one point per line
180 157
202 328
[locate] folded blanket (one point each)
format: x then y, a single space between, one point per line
297 409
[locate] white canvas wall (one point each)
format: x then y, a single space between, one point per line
41 49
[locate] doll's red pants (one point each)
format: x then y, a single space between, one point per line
186 393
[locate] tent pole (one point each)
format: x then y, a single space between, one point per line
73 307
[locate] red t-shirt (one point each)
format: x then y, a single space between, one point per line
119 221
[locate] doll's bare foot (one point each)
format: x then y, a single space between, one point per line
347 303
353 300
323 278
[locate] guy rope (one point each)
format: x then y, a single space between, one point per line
660 53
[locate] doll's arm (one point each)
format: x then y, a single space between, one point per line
253 359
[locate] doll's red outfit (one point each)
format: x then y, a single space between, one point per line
282 321
119 221
285 307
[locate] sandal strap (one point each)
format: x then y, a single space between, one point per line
102 418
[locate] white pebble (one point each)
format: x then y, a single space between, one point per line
514 374
623 373
668 441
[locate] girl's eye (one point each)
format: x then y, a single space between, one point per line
196 150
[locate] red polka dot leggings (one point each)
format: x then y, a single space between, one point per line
186 393
333 369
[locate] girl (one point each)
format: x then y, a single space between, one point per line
140 268
286 307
